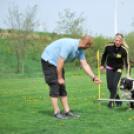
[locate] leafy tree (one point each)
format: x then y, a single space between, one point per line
69 23
21 25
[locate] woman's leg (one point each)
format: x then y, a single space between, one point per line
110 77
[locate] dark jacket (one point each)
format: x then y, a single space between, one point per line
116 57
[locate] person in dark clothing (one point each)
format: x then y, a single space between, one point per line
115 55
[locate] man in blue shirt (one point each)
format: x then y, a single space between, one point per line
53 59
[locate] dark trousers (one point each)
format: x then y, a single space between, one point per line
113 79
51 78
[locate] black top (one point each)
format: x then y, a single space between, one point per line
116 56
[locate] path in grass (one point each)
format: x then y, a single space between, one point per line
25 108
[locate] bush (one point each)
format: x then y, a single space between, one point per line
0 30
130 41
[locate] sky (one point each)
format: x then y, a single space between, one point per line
99 14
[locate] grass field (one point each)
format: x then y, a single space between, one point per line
25 108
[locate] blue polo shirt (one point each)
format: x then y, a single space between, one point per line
66 48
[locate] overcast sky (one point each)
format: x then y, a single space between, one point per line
99 14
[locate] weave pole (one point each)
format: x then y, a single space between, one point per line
99 78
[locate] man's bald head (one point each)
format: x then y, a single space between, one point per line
88 39
85 42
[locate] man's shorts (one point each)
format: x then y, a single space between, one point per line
51 79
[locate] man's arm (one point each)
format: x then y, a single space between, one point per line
89 71
59 70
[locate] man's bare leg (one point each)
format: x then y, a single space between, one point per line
55 104
64 102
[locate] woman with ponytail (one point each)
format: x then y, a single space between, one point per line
115 55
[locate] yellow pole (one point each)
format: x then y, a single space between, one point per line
99 78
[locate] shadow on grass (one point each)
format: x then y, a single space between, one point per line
123 109
46 112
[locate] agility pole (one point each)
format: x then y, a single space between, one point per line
99 78
115 100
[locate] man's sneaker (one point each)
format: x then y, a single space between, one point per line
60 115
70 113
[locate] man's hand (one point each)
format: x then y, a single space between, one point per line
59 70
61 81
101 68
97 81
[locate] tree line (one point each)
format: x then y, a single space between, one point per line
36 43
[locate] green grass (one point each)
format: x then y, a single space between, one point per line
25 108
